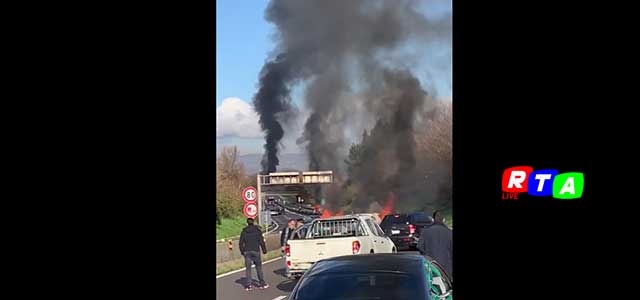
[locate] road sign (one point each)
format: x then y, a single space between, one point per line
250 210
249 194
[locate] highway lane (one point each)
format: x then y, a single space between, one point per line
231 287
281 220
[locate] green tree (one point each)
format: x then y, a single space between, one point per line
356 156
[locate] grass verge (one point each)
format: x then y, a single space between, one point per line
230 227
237 264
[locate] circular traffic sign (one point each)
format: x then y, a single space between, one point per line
249 194
250 210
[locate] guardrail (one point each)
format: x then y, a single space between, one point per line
273 225
224 253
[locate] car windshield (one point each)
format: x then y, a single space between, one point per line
361 286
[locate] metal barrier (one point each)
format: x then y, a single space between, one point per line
337 228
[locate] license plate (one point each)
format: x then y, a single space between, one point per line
395 231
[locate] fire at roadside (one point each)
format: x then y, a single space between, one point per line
386 210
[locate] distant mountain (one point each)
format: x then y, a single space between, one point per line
289 162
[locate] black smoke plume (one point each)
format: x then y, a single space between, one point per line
271 101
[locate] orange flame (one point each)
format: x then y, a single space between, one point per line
326 214
388 206
340 213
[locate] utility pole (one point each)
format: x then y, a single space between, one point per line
259 197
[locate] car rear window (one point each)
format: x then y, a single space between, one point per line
300 233
337 228
370 285
393 219
418 217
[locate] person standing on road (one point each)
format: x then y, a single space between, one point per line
250 243
284 237
300 231
303 231
436 242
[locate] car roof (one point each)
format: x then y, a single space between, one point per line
406 215
344 217
380 262
393 215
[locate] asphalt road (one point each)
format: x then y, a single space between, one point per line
231 287
282 219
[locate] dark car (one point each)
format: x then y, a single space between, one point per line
374 276
275 209
404 229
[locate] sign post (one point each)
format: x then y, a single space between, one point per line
265 217
259 192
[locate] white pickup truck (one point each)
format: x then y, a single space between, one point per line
336 236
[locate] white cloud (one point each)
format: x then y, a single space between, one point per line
236 118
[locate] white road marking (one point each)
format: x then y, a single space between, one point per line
279 298
253 266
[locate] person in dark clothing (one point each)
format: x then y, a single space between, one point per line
286 233
284 237
300 230
251 242
436 241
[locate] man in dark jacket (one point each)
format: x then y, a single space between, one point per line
284 237
251 242
436 241
300 229
286 233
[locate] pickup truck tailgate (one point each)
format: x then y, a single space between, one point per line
303 253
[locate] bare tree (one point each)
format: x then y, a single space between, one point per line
229 179
228 167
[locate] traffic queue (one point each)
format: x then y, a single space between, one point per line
355 256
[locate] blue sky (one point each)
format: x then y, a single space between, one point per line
243 42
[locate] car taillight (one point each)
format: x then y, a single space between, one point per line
412 228
287 250
355 247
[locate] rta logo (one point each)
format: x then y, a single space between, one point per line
524 179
